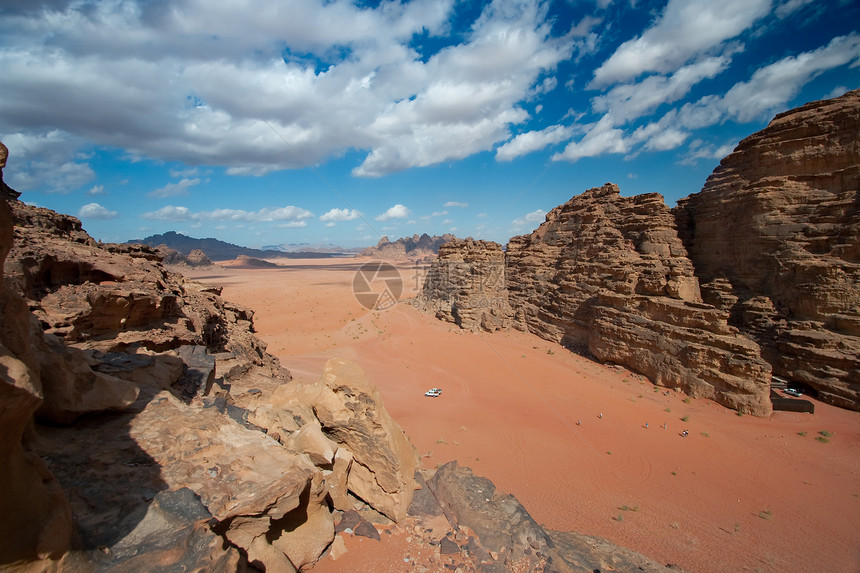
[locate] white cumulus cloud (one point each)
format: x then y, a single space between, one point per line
531 141
340 215
96 211
307 81
685 30
396 212
532 219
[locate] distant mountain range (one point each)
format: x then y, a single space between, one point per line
221 251
312 248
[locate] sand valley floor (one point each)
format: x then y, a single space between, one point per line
583 446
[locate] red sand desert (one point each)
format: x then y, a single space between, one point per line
738 494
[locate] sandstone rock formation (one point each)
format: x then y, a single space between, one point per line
758 272
466 285
412 247
610 274
29 489
160 403
775 239
195 258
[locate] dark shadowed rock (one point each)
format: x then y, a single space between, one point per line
173 533
366 529
503 527
199 371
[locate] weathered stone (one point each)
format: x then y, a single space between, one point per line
424 503
338 548
466 286
366 529
174 534
37 521
448 547
503 527
349 520
609 274
338 480
311 440
199 372
305 533
351 413
71 387
776 231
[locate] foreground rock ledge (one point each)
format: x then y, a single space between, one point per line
142 421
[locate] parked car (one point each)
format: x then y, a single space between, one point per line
433 392
794 392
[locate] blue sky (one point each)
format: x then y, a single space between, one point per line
265 123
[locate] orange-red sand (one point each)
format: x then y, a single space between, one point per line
737 494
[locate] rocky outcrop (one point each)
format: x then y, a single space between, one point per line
609 274
194 259
185 457
37 521
758 272
502 536
407 247
775 239
466 285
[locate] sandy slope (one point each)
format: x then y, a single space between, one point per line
737 494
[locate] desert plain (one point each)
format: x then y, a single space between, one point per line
583 446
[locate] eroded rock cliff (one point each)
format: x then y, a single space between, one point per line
775 239
758 272
610 274
466 285
163 441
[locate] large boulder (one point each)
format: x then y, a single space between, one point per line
342 421
352 414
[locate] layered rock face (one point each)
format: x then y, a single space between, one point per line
466 285
775 239
163 424
610 274
29 490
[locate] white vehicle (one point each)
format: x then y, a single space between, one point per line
433 392
793 392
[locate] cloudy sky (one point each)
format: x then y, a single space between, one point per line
304 121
